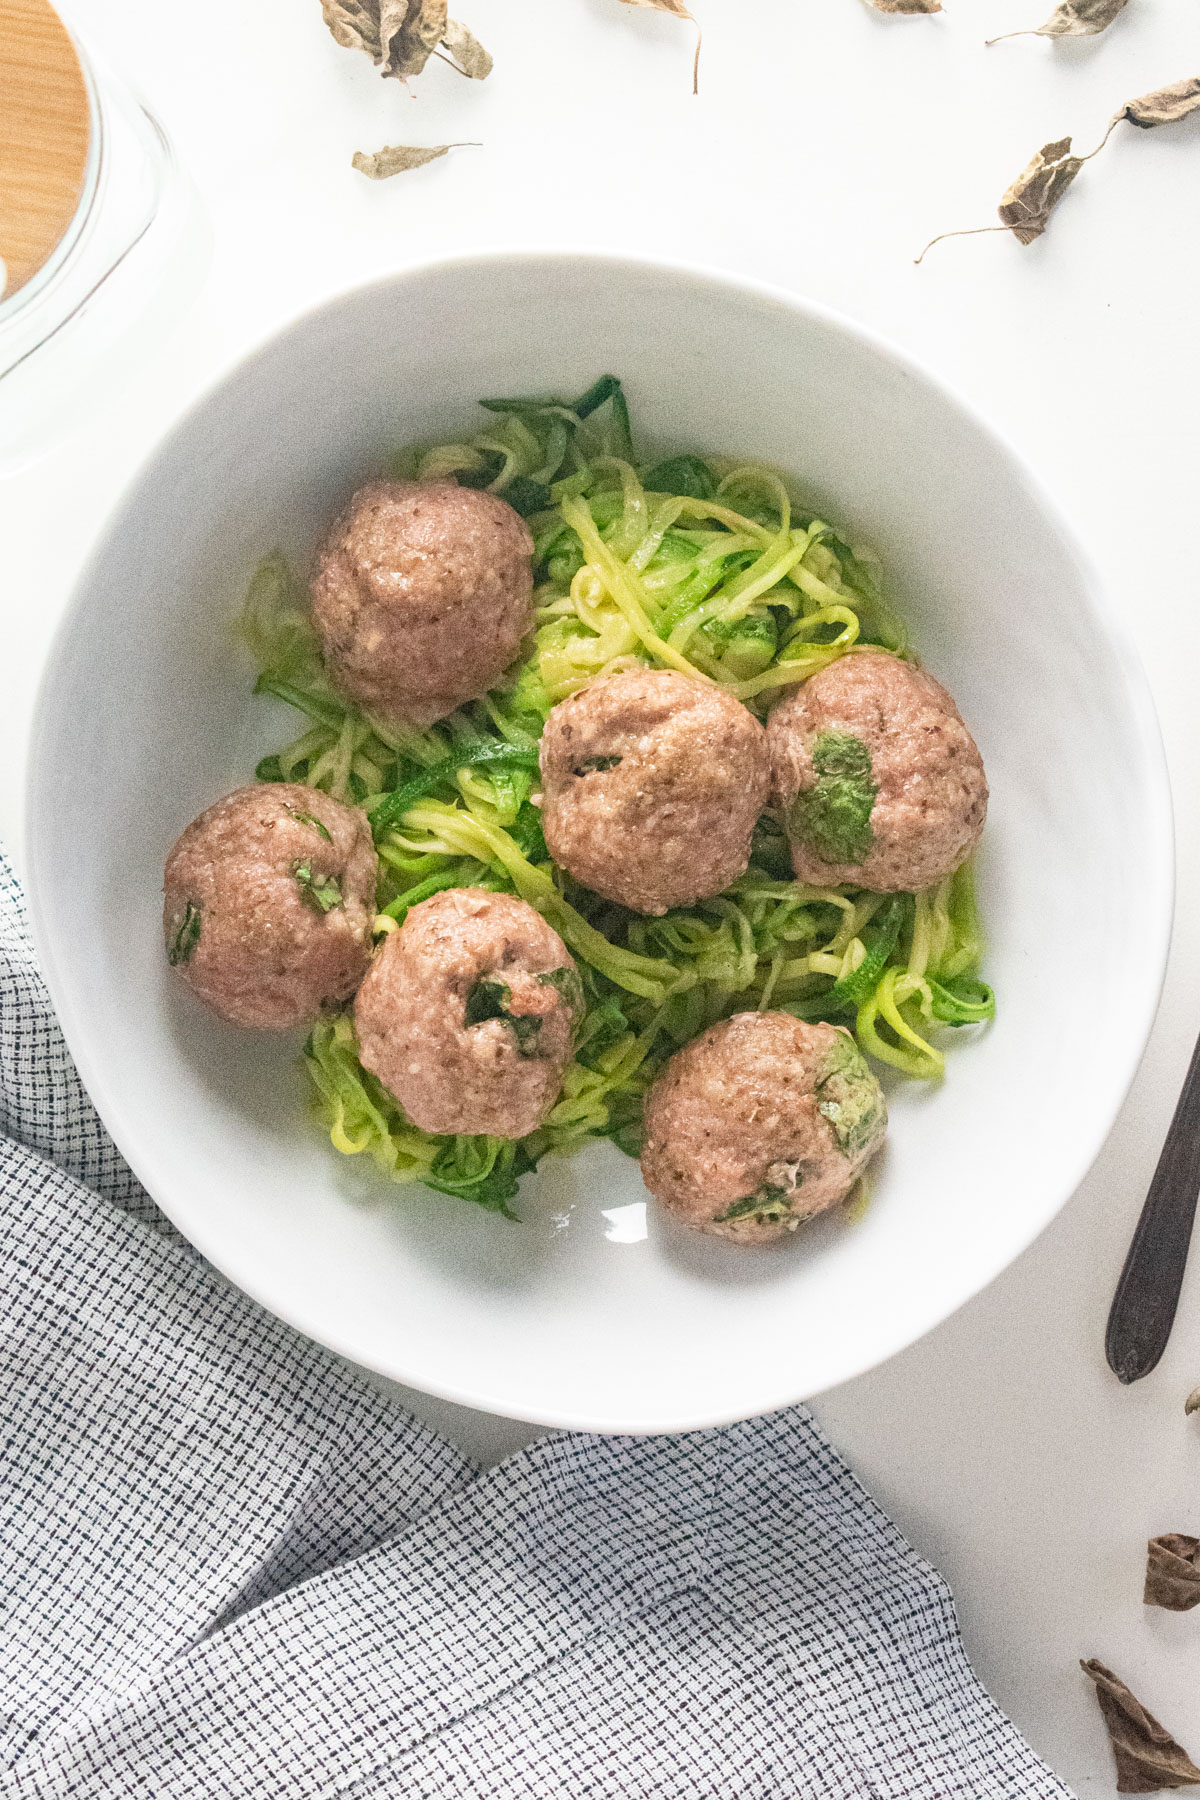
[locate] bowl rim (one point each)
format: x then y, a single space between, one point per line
1157 871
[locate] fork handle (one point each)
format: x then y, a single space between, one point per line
1143 1308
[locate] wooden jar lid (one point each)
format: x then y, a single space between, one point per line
45 135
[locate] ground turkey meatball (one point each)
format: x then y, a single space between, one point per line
652 785
760 1123
879 780
422 592
468 1013
270 899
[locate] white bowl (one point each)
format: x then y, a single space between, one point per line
590 1313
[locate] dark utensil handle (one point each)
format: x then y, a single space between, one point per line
1143 1308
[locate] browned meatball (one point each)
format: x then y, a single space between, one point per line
879 780
270 900
760 1123
422 592
468 1013
652 785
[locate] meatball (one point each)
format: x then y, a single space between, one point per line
468 1014
270 900
879 780
652 785
760 1123
422 592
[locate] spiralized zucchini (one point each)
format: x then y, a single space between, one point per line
687 563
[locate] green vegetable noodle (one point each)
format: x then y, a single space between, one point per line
692 563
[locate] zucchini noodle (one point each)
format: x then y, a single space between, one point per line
699 565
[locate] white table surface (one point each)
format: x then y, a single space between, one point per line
826 146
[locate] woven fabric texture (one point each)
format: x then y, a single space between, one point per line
233 1566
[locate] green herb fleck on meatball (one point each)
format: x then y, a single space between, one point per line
768 1205
186 937
321 892
849 1097
303 818
490 1000
568 986
597 765
834 816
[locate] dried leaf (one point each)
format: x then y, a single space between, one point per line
1166 106
679 11
354 24
1192 1403
394 159
1026 206
1148 1758
393 16
418 34
469 54
907 6
398 35
1028 203
1072 18
1173 1572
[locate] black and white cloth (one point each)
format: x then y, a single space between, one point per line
232 1567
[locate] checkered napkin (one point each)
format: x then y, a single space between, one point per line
229 1566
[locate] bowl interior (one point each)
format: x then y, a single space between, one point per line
594 1312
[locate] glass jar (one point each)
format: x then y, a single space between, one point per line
128 260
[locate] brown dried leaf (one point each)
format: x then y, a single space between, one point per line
395 159
1173 1572
907 6
1026 206
679 11
1192 1403
1028 203
1072 18
418 33
469 55
399 35
354 24
1081 18
393 16
1148 1758
1166 106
